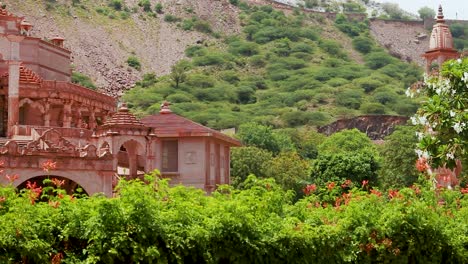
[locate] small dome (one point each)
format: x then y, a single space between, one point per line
123 118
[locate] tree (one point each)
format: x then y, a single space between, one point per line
246 161
253 134
179 72
442 118
426 12
289 171
347 141
342 166
398 158
393 10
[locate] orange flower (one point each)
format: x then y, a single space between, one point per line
376 192
346 184
12 178
58 182
331 185
49 165
54 204
310 188
364 183
421 164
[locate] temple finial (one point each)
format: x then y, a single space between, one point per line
440 15
165 109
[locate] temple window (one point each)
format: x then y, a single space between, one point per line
170 156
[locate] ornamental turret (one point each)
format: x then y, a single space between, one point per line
440 44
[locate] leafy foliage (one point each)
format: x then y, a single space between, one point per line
442 119
83 80
155 223
399 159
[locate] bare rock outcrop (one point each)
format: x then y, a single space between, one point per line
376 127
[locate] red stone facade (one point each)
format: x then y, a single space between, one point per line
44 117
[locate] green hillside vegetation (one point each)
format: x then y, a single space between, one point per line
460 35
282 72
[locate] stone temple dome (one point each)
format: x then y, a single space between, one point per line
441 38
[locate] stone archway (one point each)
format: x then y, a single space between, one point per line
31 112
130 158
91 181
70 186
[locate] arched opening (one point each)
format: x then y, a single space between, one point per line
30 115
70 186
130 160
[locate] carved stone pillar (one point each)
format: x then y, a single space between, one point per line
46 114
67 114
92 118
13 95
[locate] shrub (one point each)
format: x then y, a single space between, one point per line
171 18
116 4
349 98
341 166
133 62
373 108
83 80
209 59
309 34
243 48
245 95
248 160
302 47
179 98
202 26
200 81
195 50
376 60
363 44
158 8
146 4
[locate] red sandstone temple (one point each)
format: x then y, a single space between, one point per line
43 117
440 44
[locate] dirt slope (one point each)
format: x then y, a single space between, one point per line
101 45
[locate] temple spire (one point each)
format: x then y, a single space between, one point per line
440 15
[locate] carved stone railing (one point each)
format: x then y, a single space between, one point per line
77 90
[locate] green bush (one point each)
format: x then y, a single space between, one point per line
158 8
171 18
178 98
195 50
150 223
133 62
363 44
376 60
200 81
116 4
243 48
211 58
373 108
202 26
83 80
146 4
349 98
338 167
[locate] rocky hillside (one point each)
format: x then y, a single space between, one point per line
102 38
